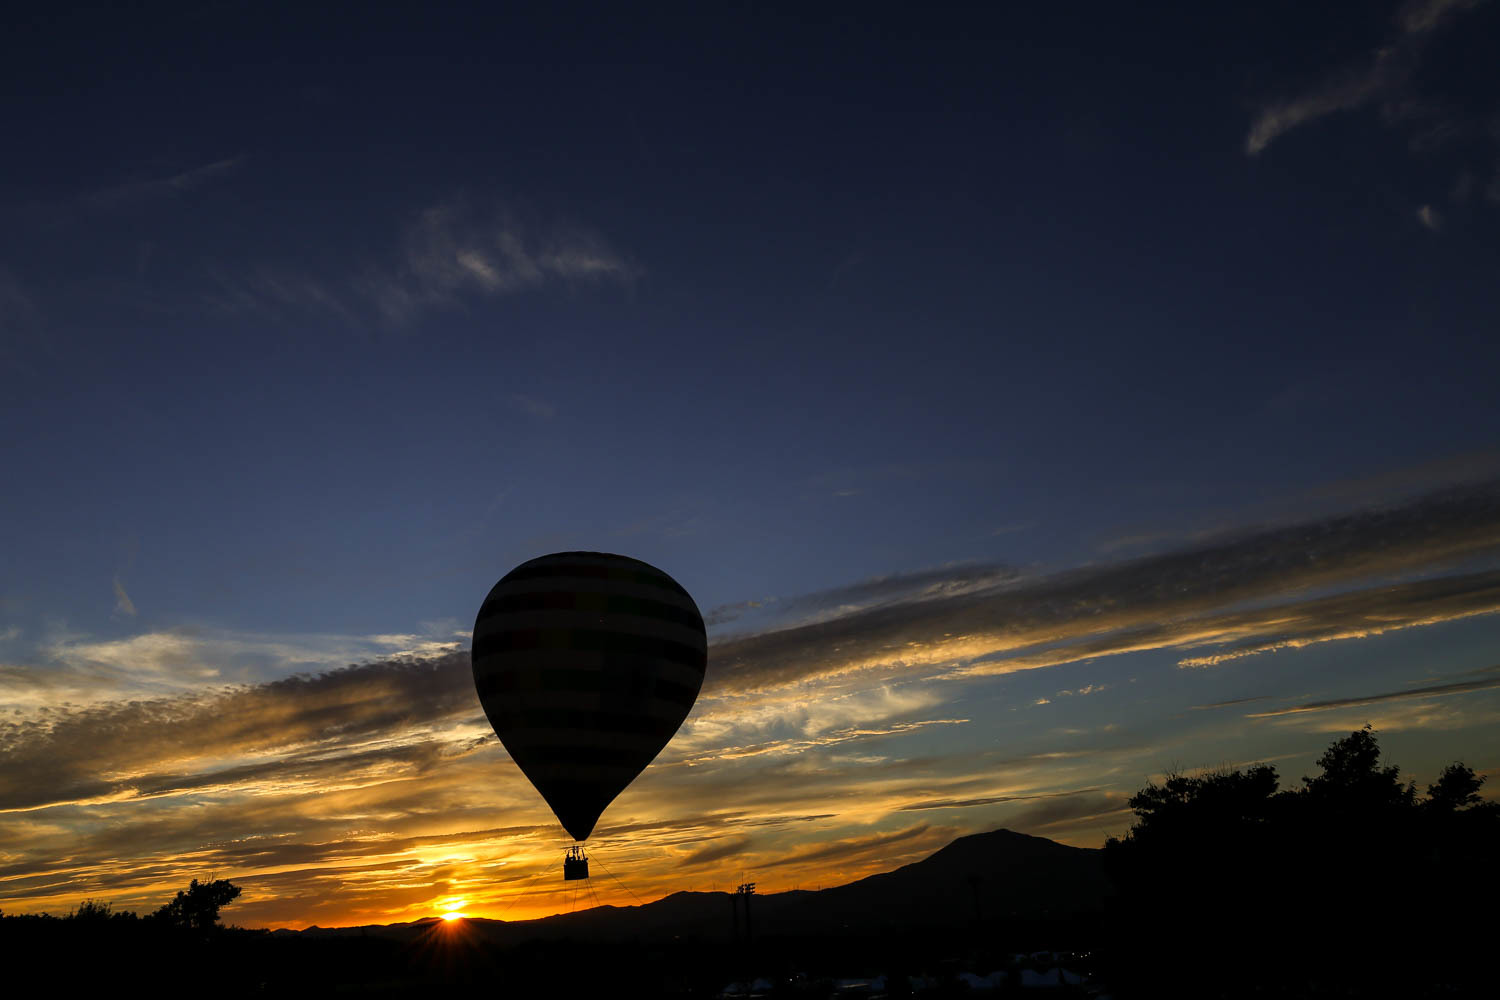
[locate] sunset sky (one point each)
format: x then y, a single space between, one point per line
1034 398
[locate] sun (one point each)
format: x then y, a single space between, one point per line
453 908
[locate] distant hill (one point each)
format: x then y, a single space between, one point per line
1016 877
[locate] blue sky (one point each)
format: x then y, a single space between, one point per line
906 327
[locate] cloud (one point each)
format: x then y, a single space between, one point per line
1410 694
1172 600
187 180
726 847
538 409
1427 716
1388 76
1067 809
723 614
1424 15
120 749
870 593
191 179
1348 91
451 248
68 668
986 800
854 847
792 746
123 604
450 254
1358 615
1229 704
947 581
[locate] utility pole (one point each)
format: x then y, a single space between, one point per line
744 892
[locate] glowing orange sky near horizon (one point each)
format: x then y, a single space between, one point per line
820 752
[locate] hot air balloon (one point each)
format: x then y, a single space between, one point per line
586 664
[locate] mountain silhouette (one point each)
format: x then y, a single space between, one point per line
1014 877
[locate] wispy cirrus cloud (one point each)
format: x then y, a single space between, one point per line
532 406
448 255
1229 703
1416 83
727 847
68 670
865 595
855 846
986 800
1348 90
153 188
1069 809
798 745
1387 76
123 604
1419 16
1232 593
1426 691
1430 715
116 749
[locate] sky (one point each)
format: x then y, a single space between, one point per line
1035 399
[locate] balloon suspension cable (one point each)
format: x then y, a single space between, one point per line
516 898
597 899
622 885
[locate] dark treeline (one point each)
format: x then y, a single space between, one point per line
1352 883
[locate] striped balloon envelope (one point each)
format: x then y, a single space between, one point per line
586 664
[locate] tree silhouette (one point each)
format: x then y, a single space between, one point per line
198 907
1353 780
1457 788
1216 804
92 910
1219 865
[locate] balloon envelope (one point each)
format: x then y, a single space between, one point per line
586 663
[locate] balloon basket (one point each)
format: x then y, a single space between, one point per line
575 864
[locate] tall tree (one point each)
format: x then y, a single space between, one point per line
199 906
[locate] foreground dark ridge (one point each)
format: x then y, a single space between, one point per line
1001 875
